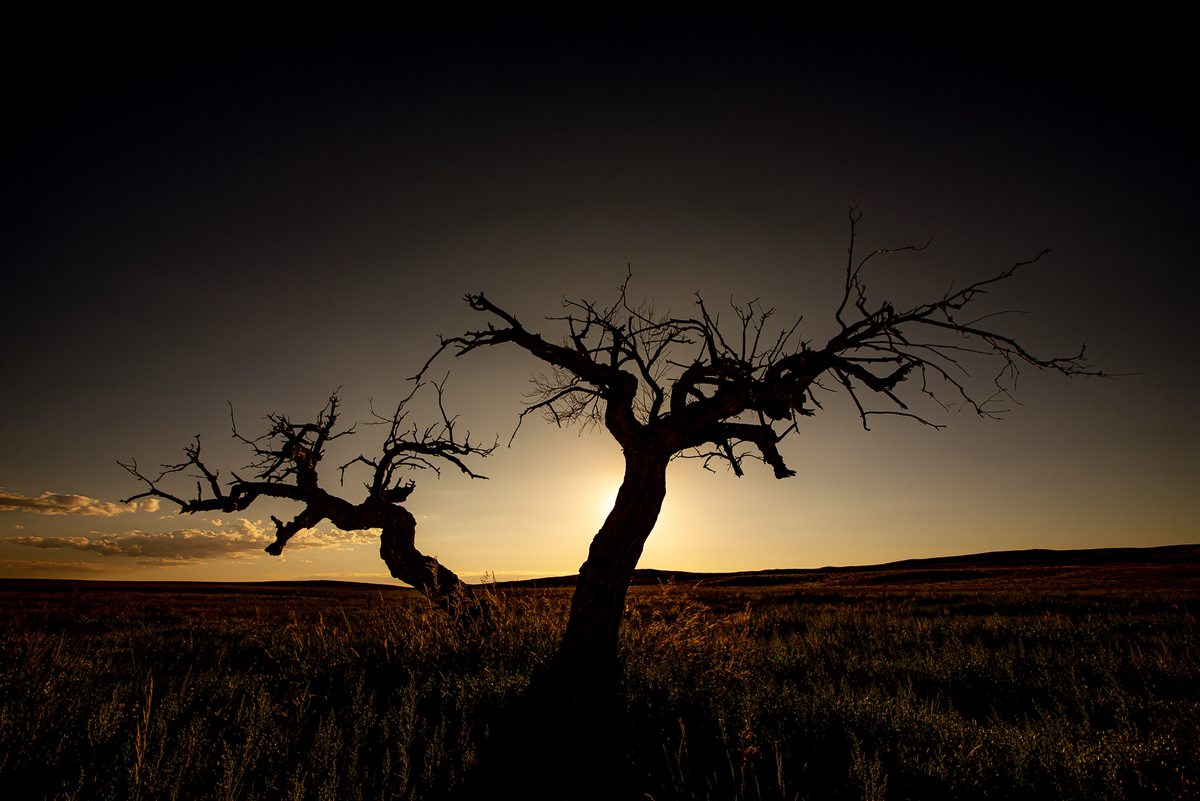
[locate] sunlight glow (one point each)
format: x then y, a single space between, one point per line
605 497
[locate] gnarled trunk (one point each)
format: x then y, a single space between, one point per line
424 573
571 725
589 649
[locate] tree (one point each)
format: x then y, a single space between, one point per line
285 461
666 387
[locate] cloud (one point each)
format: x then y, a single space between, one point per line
55 503
334 538
11 567
237 539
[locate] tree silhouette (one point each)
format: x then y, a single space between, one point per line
668 387
285 461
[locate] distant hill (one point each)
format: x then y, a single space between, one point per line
1160 567
1163 568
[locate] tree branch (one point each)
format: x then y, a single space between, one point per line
285 461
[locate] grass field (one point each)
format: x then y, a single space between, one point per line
911 682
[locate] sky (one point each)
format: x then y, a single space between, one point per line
253 221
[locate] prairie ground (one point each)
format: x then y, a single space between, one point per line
1001 677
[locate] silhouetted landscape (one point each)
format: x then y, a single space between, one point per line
1167 568
1036 569
1038 674
300 287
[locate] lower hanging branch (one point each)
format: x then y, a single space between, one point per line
424 573
397 548
286 460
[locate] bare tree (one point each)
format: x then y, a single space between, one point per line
284 464
666 387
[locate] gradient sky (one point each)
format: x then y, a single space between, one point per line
260 220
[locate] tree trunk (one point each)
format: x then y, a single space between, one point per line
423 573
588 656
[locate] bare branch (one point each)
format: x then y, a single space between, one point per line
285 460
618 363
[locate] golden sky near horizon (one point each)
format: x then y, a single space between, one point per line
259 224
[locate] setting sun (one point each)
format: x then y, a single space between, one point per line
604 499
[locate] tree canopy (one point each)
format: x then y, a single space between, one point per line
667 387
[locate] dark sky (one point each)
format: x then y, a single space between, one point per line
261 218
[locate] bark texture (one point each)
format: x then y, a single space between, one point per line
424 573
598 606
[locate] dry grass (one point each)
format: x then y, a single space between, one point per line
905 686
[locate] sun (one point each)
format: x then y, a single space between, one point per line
605 497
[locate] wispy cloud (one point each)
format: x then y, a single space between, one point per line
19 567
334 538
236 539
57 503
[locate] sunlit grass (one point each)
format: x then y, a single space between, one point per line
728 695
924 697
388 705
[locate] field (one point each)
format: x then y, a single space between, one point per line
1000 676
